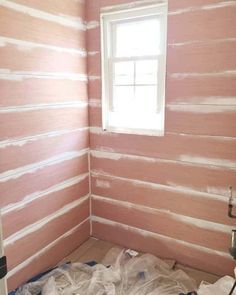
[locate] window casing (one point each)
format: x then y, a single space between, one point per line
134 68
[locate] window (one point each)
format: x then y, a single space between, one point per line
134 67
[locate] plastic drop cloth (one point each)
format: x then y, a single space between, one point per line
222 286
121 274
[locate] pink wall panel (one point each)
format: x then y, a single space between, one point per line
188 171
49 257
44 140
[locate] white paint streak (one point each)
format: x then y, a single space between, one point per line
204 7
21 75
203 224
208 161
78 24
22 141
211 74
42 251
202 42
37 195
201 109
32 168
27 45
92 25
48 106
93 53
102 183
166 239
94 78
118 156
172 187
207 100
38 225
93 102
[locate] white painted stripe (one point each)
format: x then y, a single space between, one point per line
93 102
202 42
208 161
155 186
27 45
21 75
204 7
206 100
217 137
37 195
195 222
24 140
166 239
32 168
200 109
99 130
92 25
210 105
48 106
38 225
68 22
45 249
93 53
211 74
94 78
118 156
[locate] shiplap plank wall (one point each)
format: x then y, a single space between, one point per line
44 179
168 195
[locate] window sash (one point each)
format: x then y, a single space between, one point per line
108 20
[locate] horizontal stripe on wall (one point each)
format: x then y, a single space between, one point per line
41 178
71 8
15 58
208 179
41 149
27 123
41 91
201 58
198 121
40 14
180 201
45 232
202 90
185 253
33 209
48 257
93 9
185 4
194 149
192 230
38 30
202 25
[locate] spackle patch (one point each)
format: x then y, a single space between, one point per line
103 183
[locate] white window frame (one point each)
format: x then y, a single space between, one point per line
125 12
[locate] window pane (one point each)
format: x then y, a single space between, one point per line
146 99
138 38
123 98
124 73
146 72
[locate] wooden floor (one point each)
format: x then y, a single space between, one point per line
94 249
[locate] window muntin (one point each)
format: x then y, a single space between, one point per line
134 65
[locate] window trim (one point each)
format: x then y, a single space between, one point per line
122 12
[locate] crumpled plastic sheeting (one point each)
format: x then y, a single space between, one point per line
222 286
120 274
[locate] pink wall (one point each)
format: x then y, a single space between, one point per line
164 195
168 195
43 133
